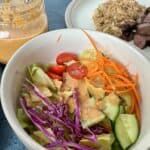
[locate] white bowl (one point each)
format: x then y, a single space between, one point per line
44 49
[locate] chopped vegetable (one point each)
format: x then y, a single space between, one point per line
77 71
92 121
111 106
116 145
98 93
89 54
77 103
40 137
58 69
121 82
126 129
46 92
103 142
23 119
127 97
92 101
54 76
65 57
39 77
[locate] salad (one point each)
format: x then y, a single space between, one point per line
83 102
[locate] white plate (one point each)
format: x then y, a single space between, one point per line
79 15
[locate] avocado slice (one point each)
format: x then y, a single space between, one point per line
89 53
111 106
97 93
104 141
99 116
127 98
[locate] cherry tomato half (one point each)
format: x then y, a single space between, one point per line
58 69
54 76
77 71
65 57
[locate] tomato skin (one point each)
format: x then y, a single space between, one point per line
77 71
58 69
54 76
65 57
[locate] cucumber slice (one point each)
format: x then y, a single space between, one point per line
126 129
122 109
111 106
116 145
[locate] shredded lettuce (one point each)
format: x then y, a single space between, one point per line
39 77
90 54
40 137
24 121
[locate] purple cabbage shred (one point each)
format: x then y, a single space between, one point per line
65 131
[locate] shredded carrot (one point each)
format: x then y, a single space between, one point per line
137 96
123 91
121 77
132 107
122 85
136 78
93 43
114 66
131 110
108 91
109 80
119 81
87 60
94 74
138 113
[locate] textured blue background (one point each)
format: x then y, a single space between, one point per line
55 10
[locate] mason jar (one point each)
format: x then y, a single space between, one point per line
20 21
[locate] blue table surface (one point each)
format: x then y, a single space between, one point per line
55 11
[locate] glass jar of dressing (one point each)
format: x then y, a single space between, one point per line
20 20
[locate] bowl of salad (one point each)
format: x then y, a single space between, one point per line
78 90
